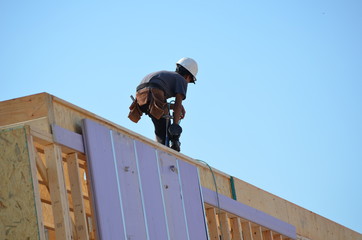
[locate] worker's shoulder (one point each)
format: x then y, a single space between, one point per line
166 74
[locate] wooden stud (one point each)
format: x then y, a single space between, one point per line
41 169
258 234
278 237
51 235
91 221
212 224
247 231
58 192
225 226
77 197
236 229
267 235
32 155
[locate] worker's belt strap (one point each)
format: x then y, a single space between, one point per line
148 85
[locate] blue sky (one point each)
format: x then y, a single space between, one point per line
278 102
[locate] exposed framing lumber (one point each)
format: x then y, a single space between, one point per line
236 229
212 224
91 221
267 235
241 210
257 233
58 192
225 226
33 156
247 231
77 197
41 168
277 237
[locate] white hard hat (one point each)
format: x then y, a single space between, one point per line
190 64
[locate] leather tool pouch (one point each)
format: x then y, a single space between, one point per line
158 104
135 112
155 98
143 96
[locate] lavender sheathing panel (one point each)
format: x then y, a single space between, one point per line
103 177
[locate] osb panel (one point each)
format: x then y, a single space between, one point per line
18 218
23 109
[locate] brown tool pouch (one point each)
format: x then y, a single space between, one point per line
148 100
135 112
143 96
157 107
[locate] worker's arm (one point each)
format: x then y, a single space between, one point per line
178 109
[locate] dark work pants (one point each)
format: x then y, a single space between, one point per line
160 129
160 124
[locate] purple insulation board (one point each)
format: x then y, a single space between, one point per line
152 191
104 180
171 186
140 192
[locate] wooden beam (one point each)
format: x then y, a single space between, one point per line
58 192
278 237
225 226
258 234
45 197
23 110
268 235
77 197
91 220
33 156
41 169
212 224
236 229
247 231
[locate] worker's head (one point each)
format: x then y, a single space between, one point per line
187 67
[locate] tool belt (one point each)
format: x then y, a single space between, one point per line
149 100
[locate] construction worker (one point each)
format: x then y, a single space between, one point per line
151 99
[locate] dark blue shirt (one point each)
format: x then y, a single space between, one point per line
171 83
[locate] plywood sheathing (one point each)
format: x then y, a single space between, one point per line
20 209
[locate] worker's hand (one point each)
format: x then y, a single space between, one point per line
183 112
